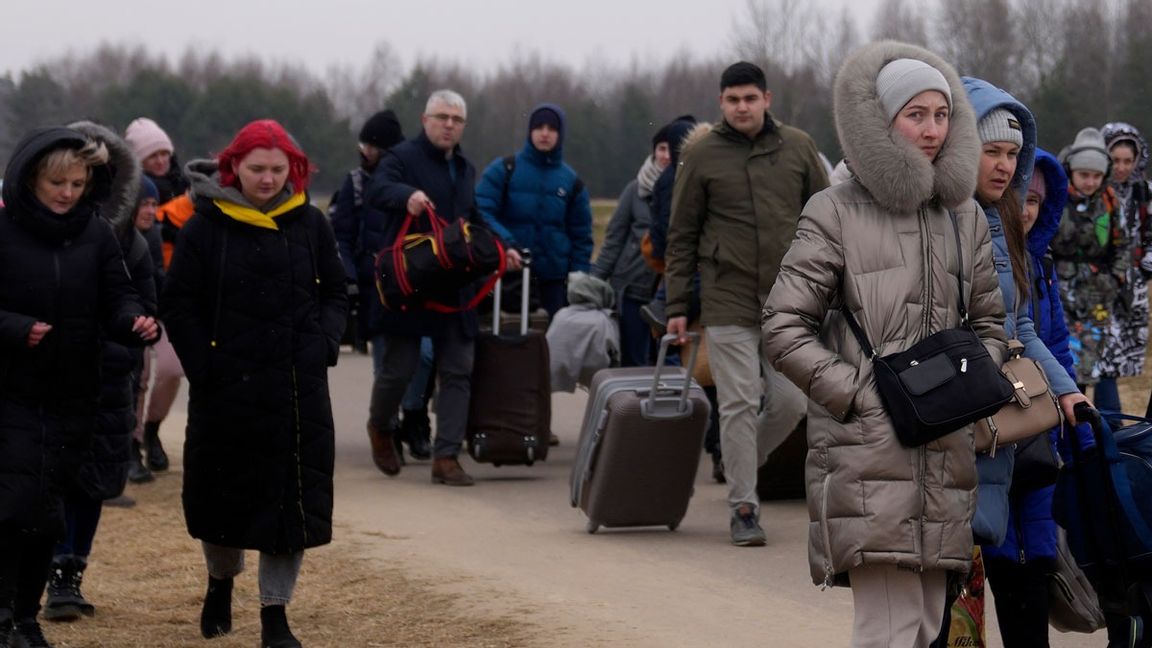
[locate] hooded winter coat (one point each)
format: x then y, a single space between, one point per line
883 246
1123 353
734 211
256 315
620 261
66 270
542 207
1031 531
990 523
105 469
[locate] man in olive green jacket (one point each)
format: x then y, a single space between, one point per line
738 195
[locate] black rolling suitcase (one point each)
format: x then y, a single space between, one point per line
510 411
640 445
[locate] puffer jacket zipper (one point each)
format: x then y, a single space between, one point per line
925 331
828 575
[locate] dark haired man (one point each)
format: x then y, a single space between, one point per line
738 195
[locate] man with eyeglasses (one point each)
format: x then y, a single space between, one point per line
424 173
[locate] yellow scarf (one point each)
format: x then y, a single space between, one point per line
256 217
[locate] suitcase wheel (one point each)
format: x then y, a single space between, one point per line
675 525
529 463
497 464
593 526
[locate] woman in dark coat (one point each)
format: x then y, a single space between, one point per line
254 303
104 471
63 287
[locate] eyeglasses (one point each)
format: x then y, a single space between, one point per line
445 117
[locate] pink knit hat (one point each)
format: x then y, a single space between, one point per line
1037 185
145 138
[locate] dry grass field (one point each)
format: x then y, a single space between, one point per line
147 581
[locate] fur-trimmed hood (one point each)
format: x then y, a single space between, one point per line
1115 132
119 206
985 98
893 170
694 135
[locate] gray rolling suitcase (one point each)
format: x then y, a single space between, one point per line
640 445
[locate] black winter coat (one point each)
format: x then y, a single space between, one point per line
105 469
256 317
360 234
67 271
417 165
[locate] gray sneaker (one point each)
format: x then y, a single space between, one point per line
746 531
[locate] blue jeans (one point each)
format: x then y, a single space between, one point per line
635 335
81 516
278 572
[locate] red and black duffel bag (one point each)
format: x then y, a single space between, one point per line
427 269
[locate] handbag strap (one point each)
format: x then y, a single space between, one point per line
858 332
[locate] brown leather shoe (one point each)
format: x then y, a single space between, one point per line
384 451
447 470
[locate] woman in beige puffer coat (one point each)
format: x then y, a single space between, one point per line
892 519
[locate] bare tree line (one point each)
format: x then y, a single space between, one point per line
1074 63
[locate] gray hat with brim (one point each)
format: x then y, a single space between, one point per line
1087 152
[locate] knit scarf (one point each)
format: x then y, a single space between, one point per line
646 179
252 216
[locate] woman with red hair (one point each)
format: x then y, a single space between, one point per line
254 305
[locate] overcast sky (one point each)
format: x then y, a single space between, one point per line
320 33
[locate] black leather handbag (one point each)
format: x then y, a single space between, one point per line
941 383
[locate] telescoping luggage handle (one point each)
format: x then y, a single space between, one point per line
525 289
677 406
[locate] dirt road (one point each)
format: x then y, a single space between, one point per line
512 546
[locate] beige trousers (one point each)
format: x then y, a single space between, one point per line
896 607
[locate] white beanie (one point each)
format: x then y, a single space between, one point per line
146 137
905 78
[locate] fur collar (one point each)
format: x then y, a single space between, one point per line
698 132
894 171
119 207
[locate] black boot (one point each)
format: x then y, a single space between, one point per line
416 429
274 631
216 615
138 473
65 601
157 458
27 634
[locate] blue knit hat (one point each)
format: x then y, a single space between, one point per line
147 190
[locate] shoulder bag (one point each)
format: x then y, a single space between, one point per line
941 383
1032 410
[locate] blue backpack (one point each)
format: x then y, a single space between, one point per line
1102 501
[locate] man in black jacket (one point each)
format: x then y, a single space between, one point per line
426 172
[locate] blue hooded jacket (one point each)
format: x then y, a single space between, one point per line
537 211
990 524
1031 532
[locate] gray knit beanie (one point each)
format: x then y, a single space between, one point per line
905 78
1000 125
1088 152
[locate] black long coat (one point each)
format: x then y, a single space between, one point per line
67 271
256 317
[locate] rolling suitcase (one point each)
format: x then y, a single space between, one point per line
510 411
640 445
